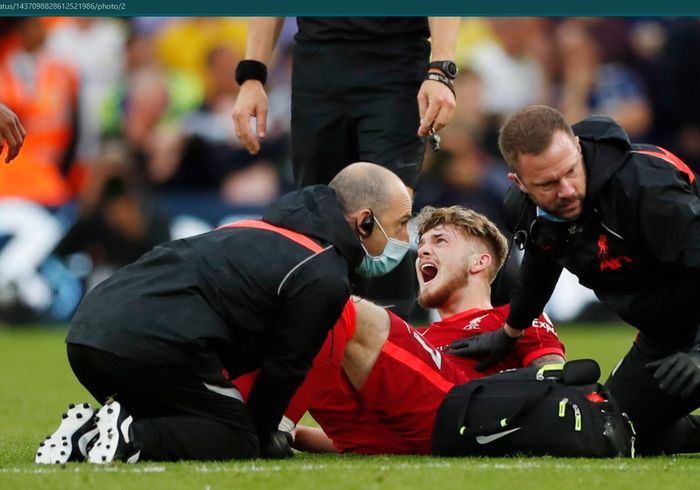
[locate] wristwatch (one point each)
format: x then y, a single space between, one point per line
449 68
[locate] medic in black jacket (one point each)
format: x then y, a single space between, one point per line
625 219
636 243
165 334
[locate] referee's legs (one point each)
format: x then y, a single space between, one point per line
323 134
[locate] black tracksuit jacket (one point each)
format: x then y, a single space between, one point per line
636 244
238 298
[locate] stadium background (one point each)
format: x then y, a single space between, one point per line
130 139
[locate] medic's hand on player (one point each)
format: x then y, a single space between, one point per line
277 445
679 373
12 133
490 347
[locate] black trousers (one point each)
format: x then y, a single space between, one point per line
176 417
356 101
662 421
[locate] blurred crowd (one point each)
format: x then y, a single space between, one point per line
130 140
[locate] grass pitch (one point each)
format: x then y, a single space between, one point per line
37 384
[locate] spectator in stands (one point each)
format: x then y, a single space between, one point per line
591 84
117 221
147 106
95 48
44 94
184 44
213 159
675 73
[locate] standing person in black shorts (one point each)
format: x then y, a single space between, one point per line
363 88
165 336
625 219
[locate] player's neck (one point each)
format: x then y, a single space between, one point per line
475 294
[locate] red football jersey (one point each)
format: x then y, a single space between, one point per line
394 411
401 395
539 339
350 425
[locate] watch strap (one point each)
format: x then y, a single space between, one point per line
437 77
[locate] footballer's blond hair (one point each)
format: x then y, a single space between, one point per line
471 224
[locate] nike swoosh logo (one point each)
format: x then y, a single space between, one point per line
493 437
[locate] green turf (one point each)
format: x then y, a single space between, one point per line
37 384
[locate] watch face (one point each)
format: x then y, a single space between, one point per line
450 69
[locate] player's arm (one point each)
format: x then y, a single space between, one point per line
436 101
547 359
538 277
263 33
443 37
312 440
251 102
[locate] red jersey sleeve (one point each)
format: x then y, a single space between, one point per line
540 339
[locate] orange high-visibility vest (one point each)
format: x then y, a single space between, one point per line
46 111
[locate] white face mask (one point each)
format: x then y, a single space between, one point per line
379 265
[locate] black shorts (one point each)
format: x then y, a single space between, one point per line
356 101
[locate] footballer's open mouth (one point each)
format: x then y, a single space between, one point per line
428 271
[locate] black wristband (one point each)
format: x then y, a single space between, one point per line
251 70
447 67
436 77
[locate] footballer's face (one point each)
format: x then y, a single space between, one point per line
442 266
556 178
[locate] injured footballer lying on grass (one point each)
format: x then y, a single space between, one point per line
385 397
381 386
